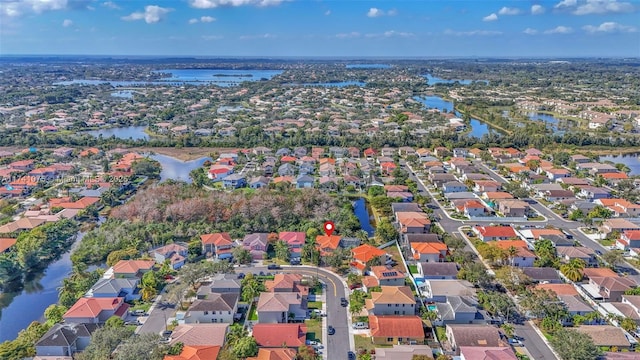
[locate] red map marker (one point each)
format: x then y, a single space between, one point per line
329 227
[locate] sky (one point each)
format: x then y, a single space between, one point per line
321 28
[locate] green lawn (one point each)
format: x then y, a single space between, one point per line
314 305
141 306
253 314
606 242
413 269
314 329
363 342
441 333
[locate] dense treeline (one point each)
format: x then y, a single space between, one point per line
181 212
34 250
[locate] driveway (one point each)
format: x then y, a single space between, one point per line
159 313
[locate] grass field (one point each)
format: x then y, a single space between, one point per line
314 329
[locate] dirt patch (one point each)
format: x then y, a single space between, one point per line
184 154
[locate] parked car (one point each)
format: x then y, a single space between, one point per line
166 334
331 330
139 312
344 302
515 342
351 355
240 275
360 325
134 322
273 267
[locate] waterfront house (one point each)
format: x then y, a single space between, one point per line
113 288
365 253
92 310
234 181
64 340
132 268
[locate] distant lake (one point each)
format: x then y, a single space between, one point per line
334 84
432 80
631 160
177 169
478 128
368 66
127 94
180 77
128 132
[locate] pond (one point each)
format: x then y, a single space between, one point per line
177 169
20 309
180 77
368 66
128 132
125 94
360 209
478 128
631 160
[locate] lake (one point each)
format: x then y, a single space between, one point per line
125 94
368 66
128 132
360 209
180 77
29 305
334 84
478 128
433 80
631 160
177 169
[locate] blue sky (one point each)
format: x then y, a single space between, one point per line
360 28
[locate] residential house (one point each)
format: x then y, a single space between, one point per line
64 340
558 195
486 186
588 255
391 300
607 336
196 353
287 169
279 335
222 283
404 196
327 244
215 308
429 251
513 208
22 165
304 181
492 233
176 253
364 254
200 334
620 207
555 174
629 239
92 310
403 352
580 159
295 240
473 208
486 353
437 270
257 244
234 181
219 245
6 244
132 268
454 186
462 335
609 288
619 225
278 307
439 290
393 329
523 257
388 276
114 288
259 182
545 275
457 310
275 354
285 283
413 222
593 192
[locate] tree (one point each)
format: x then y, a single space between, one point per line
475 273
103 342
236 332
497 303
146 167
356 301
573 269
54 313
508 329
546 252
242 255
251 288
612 258
141 346
542 303
306 352
628 324
114 321
513 278
245 347
573 345
599 212
385 231
282 250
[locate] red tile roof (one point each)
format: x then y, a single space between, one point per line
292 237
6 243
387 326
92 307
132 266
497 231
216 239
196 353
366 252
277 335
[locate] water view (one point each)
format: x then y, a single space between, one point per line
128 132
433 80
631 160
478 128
360 209
180 77
177 169
336 84
368 66
126 94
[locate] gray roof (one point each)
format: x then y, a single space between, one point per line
216 302
225 281
402 207
304 178
439 268
421 237
456 304
541 273
113 286
260 238
66 334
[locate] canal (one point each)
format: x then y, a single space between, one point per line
362 213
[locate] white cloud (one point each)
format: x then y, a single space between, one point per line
603 7
392 12
212 37
207 19
193 21
111 5
351 35
609 27
509 11
560 30
375 12
566 4
537 9
67 23
260 36
530 31
152 14
391 33
209 4
472 33
13 8
327 13
490 17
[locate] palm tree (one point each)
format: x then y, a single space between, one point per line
236 332
573 269
512 251
148 292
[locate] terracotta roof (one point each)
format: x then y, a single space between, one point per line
632 234
6 243
559 289
288 282
370 281
292 237
277 301
92 307
200 334
216 239
476 335
366 252
132 266
328 242
537 233
487 353
387 326
599 272
393 295
277 335
384 272
506 244
605 335
429 247
497 195
496 231
275 354
196 353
